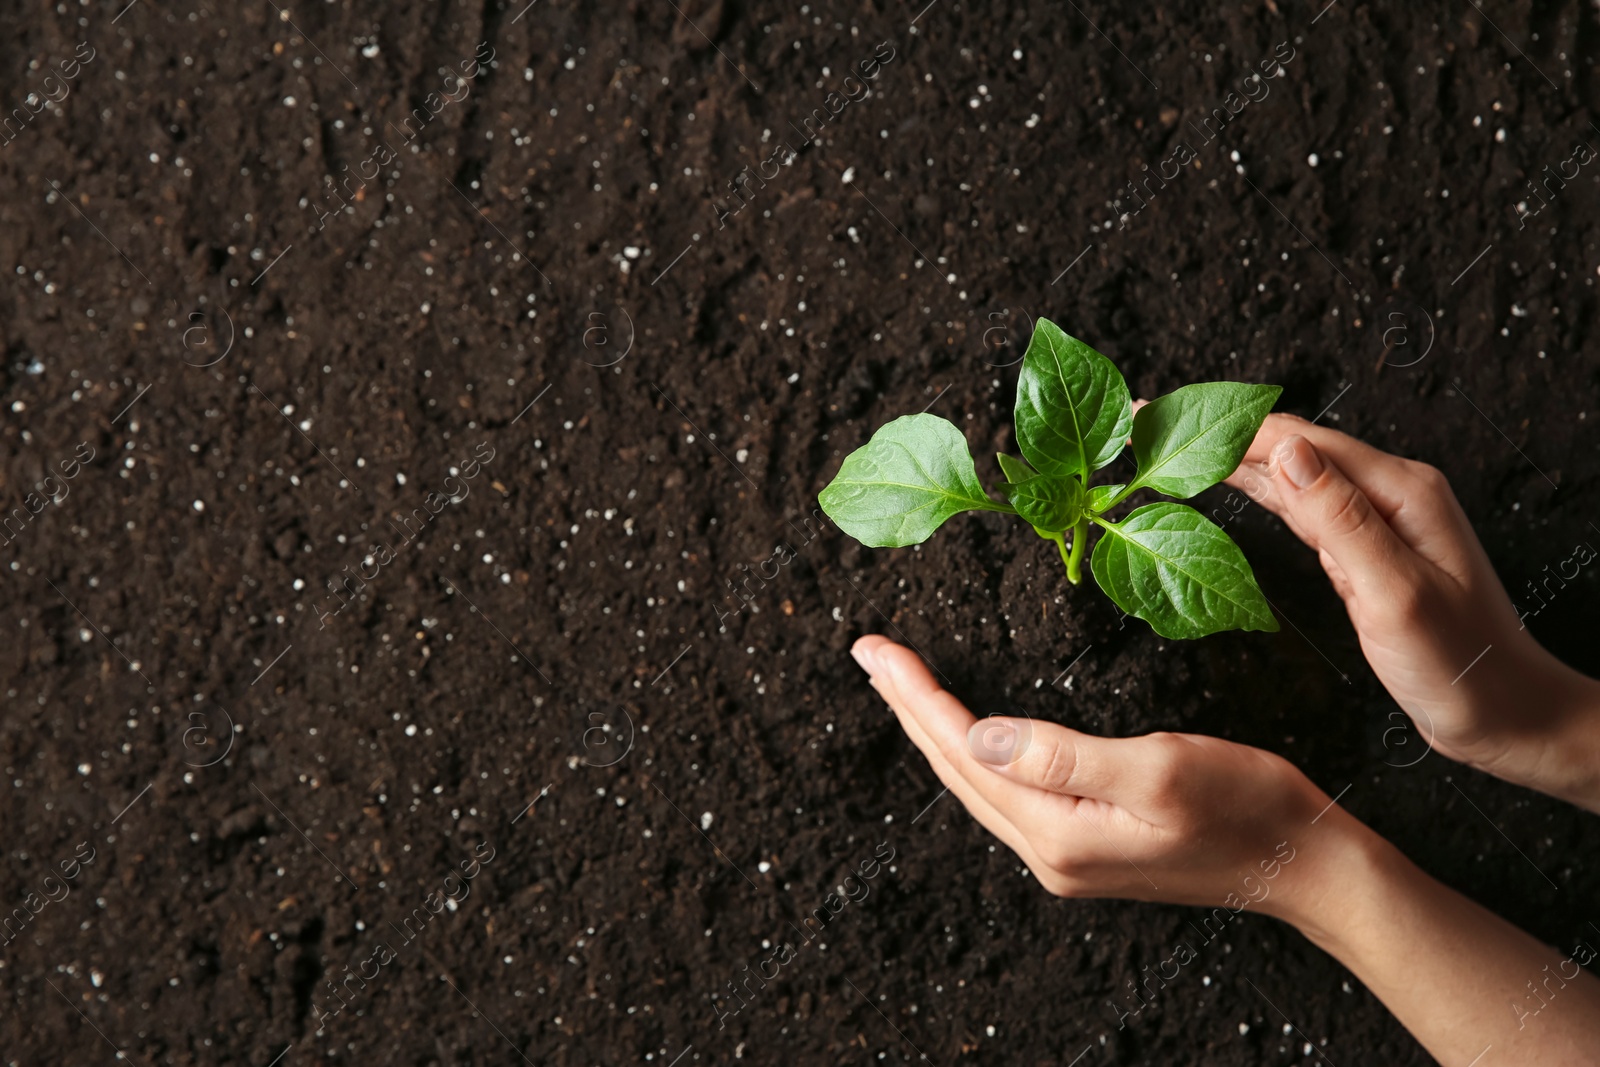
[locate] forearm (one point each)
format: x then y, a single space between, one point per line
1460 978
1569 762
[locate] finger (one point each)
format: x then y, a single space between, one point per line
1127 772
1413 498
1337 576
935 720
1255 482
1336 517
1384 478
869 651
1044 817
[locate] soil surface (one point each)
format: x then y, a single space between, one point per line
454 306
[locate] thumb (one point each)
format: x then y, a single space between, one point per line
1335 517
1058 760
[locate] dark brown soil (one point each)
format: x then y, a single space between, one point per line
695 373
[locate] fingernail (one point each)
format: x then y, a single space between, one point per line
865 658
1298 461
994 741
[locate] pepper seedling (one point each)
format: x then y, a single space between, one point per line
1164 563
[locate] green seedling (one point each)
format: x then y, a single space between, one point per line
1164 563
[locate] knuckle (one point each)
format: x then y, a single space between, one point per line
1346 511
1056 883
1057 856
1059 761
955 753
1409 603
1428 478
1165 764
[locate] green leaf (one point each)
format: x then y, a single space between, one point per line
1016 472
1053 504
1073 408
1013 468
1176 570
1100 497
1194 437
898 488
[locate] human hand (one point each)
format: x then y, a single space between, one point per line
1178 818
1197 820
1433 619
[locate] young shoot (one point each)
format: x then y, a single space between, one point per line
1163 562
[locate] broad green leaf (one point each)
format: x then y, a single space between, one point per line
1176 570
1100 497
1073 408
1013 468
1194 437
1052 504
1016 470
898 488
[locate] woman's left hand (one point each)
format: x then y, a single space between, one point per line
1179 818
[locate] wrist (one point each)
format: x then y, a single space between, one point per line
1553 741
1569 765
1342 870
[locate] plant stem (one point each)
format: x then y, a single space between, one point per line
1080 534
1061 545
1127 491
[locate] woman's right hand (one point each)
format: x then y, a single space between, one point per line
1433 619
